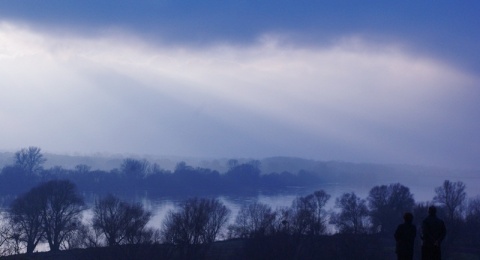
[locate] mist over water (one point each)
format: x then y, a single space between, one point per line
423 191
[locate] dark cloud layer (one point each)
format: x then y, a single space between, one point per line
445 29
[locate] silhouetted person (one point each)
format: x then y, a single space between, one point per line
433 233
405 238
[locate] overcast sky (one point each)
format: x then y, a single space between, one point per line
360 81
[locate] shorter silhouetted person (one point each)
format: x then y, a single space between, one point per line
405 238
433 233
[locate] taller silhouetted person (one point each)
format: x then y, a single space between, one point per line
433 233
405 237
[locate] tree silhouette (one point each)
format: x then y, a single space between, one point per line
26 219
387 205
353 215
247 174
30 159
119 221
61 208
198 221
308 215
135 169
451 195
9 239
50 210
256 219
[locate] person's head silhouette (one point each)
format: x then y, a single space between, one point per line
432 210
408 217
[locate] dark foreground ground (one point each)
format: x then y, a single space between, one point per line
273 247
341 247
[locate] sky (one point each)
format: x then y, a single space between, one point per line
357 81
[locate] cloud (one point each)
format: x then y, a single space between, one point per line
445 30
350 100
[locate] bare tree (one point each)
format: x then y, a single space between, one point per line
452 196
61 208
30 159
9 240
353 215
26 219
50 210
135 169
253 219
108 219
136 230
195 226
199 221
120 222
307 215
81 237
387 205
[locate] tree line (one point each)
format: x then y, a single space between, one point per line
137 175
51 212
